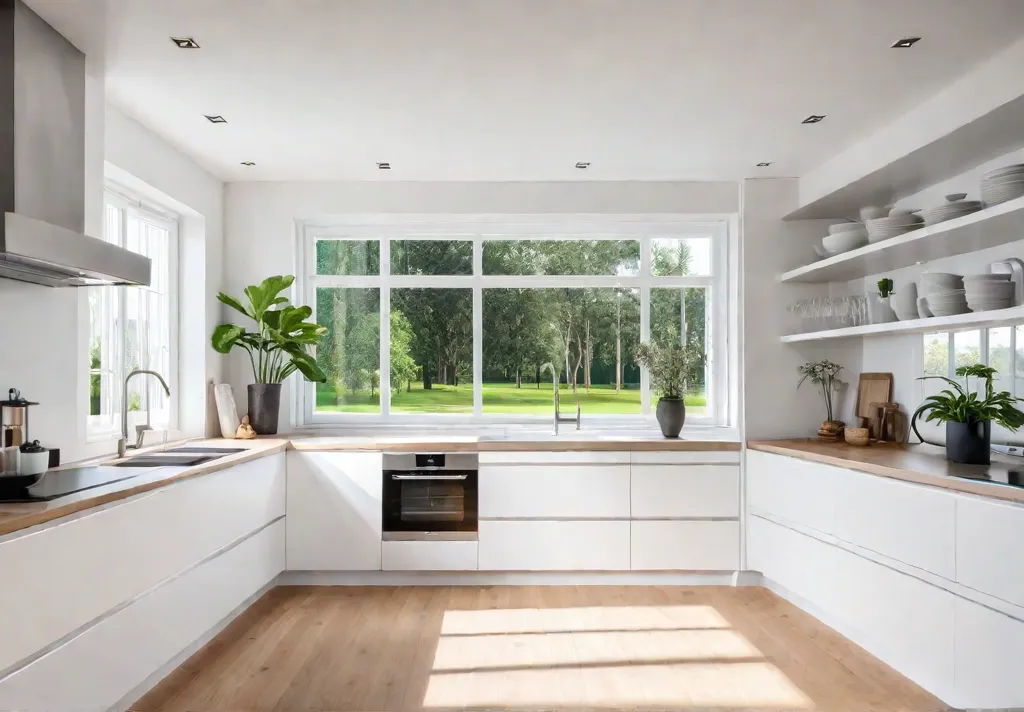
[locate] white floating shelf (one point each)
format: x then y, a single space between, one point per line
998 225
972 320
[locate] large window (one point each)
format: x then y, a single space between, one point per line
134 327
460 319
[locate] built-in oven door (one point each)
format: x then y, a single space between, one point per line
430 498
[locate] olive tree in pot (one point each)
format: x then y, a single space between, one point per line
672 369
968 416
277 347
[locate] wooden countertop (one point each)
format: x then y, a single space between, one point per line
14 517
922 464
645 441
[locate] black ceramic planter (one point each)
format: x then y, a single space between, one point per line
264 406
671 414
969 443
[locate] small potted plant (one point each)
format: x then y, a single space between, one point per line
968 416
277 348
879 310
824 375
672 369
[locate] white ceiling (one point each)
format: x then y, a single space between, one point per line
522 89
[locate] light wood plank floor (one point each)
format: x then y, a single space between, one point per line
313 649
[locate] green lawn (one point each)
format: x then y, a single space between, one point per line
498 398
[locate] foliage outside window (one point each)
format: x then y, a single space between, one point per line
471 316
134 327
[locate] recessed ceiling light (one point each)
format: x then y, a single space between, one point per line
906 42
384 166
185 42
814 119
216 119
249 164
583 165
764 164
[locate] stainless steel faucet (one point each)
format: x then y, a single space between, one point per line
559 418
122 444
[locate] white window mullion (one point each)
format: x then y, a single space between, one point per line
478 328
385 327
645 321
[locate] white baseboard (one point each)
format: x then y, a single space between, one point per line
153 680
516 578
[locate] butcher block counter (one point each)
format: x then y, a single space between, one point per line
922 464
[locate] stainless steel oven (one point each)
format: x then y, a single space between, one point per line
430 495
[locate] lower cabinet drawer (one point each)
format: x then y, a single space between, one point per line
685 546
584 545
428 555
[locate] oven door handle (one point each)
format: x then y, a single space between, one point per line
429 477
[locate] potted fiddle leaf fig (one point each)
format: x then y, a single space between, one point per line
277 347
968 416
672 369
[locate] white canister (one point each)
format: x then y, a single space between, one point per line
904 302
33 463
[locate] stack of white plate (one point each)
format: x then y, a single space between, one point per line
1003 184
955 207
844 237
986 292
898 223
948 303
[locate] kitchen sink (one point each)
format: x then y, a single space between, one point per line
220 451
166 460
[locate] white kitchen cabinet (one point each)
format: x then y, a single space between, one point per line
685 457
793 489
335 504
98 668
989 651
684 546
554 545
554 491
901 520
684 491
76 570
989 536
429 555
799 563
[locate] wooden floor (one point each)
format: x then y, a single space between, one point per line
318 649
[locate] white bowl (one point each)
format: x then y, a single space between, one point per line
987 277
844 227
941 281
844 242
903 212
1015 169
871 212
989 286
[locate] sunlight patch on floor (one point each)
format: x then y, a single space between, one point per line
548 620
588 648
751 685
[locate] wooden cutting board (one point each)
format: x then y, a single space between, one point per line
872 388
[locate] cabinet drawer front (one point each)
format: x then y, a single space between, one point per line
910 523
685 457
685 491
685 546
554 546
989 650
429 555
554 492
988 540
75 571
548 457
793 489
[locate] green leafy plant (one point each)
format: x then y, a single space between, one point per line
961 404
278 346
885 287
671 367
825 375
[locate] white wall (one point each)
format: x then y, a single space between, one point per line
143 162
260 235
774 406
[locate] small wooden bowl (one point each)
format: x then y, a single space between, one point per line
857 436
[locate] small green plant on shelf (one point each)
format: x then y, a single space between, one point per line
885 287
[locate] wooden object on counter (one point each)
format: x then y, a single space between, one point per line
921 464
872 388
890 423
245 431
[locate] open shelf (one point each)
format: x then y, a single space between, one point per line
971 320
998 225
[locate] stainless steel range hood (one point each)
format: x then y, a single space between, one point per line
42 163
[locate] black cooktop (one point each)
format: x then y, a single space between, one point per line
60 483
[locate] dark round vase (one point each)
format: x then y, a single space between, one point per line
671 414
969 443
264 406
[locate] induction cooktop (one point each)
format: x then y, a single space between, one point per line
60 483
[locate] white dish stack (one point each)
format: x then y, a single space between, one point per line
986 292
944 293
843 237
900 221
954 207
1003 184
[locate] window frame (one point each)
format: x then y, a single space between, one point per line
479 229
128 205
